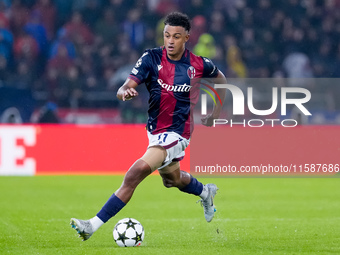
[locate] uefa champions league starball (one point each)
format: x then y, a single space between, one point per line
128 232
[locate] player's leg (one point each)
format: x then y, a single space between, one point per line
151 160
137 173
174 177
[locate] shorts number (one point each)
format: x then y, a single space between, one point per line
164 137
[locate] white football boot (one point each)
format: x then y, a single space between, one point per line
208 203
83 228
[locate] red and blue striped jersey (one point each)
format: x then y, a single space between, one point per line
171 88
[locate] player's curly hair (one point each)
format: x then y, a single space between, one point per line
178 19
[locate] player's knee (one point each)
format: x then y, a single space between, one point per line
136 174
130 181
168 183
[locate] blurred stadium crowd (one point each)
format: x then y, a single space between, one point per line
77 53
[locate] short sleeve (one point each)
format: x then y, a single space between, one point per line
141 70
209 69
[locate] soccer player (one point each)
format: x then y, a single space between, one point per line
167 72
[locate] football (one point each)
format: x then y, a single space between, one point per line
128 232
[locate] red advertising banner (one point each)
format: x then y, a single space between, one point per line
71 149
112 149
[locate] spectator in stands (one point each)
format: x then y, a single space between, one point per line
88 60
70 86
297 65
295 10
248 44
61 62
35 28
107 28
91 12
199 27
124 70
64 11
47 12
23 78
4 15
219 59
159 32
270 52
50 84
149 41
324 61
263 13
134 28
4 73
197 7
205 46
123 49
48 114
62 39
5 4
78 32
18 16
6 40
166 6
106 56
26 47
217 26
120 8
234 59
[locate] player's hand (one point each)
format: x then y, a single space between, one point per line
208 120
129 94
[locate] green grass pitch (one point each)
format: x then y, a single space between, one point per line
254 216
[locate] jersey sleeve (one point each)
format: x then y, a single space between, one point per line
141 70
209 69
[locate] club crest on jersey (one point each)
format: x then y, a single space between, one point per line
191 72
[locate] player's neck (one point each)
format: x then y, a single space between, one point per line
177 56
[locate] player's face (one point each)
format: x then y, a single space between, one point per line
174 41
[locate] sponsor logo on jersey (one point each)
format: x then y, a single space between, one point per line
159 67
174 88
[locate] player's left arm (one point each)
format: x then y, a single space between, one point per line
209 119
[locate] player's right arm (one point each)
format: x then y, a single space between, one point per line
128 90
137 76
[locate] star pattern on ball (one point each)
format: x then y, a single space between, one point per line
138 237
131 224
122 237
